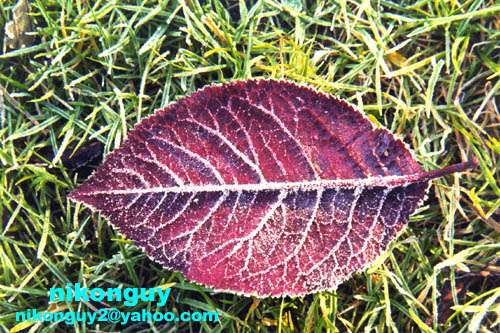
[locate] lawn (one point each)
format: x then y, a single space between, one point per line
86 72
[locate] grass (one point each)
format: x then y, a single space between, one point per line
427 70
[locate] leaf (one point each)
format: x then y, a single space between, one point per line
15 30
260 187
486 278
85 155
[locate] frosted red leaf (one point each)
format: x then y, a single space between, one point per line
261 188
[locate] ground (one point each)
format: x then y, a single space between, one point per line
80 74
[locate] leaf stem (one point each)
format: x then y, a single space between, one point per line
459 167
